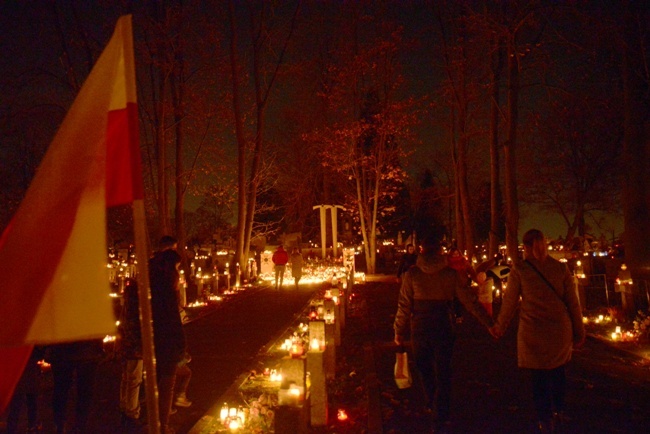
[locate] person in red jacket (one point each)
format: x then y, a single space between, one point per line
280 259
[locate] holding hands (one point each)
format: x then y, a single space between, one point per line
496 332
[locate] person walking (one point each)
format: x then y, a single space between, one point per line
280 258
26 392
131 352
169 337
408 260
296 265
550 325
74 362
425 302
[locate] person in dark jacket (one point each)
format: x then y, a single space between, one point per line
425 302
131 352
169 337
74 361
27 391
408 260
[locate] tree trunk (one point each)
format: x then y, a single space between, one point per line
177 86
241 139
368 238
458 216
463 189
512 204
636 144
495 186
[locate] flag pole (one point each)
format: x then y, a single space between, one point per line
144 298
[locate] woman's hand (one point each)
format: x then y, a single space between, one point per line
495 332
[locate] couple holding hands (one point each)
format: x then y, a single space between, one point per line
550 323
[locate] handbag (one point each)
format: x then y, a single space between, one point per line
402 372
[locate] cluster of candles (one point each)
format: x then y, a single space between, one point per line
273 375
232 418
318 312
294 346
599 319
617 335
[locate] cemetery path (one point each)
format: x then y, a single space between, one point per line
608 390
222 343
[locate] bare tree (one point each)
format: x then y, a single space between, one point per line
636 151
264 74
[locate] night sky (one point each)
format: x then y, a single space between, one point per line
35 86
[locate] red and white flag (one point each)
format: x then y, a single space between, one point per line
53 256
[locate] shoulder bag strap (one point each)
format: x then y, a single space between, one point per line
544 279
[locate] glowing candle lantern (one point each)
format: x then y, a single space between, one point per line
296 350
316 345
223 414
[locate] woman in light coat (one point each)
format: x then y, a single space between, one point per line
550 324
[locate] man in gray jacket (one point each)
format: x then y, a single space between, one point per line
425 301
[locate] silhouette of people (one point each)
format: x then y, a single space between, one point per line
169 337
74 362
280 258
26 392
296 265
408 260
131 353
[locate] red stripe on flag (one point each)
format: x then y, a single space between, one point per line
123 166
12 365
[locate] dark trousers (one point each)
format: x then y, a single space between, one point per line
432 334
549 391
63 374
26 392
432 356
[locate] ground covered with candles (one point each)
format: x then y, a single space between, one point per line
274 383
618 330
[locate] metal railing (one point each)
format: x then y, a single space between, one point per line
601 292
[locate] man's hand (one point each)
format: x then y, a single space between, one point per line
399 340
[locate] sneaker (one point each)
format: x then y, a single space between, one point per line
182 401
